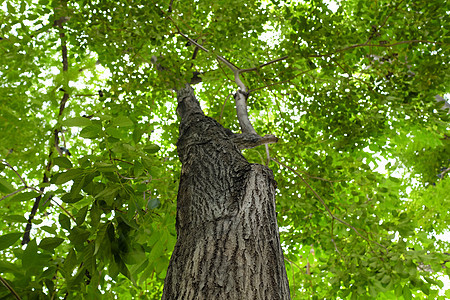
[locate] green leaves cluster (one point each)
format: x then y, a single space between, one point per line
355 88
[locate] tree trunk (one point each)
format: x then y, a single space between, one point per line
228 245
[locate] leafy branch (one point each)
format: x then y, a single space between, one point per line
326 207
377 30
373 45
26 186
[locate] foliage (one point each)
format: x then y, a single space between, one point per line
352 87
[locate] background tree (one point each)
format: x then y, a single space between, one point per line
89 165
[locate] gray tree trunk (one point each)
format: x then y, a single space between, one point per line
228 244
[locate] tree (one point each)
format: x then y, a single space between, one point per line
90 172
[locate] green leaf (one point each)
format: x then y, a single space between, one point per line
9 239
78 184
25 196
6 187
122 121
78 235
51 230
77 122
23 6
10 8
105 167
49 273
91 132
95 214
398 290
50 243
71 174
153 203
15 219
146 162
64 221
137 135
138 168
81 215
63 162
70 262
88 257
99 240
383 190
151 148
6 267
406 292
71 198
114 132
30 256
108 194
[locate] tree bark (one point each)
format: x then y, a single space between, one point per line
228 244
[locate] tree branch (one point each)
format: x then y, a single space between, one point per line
170 6
62 105
264 64
373 45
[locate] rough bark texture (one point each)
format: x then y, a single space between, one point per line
228 244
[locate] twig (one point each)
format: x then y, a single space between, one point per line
223 107
291 262
325 206
264 64
127 162
65 210
374 45
18 175
13 193
26 186
5 283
